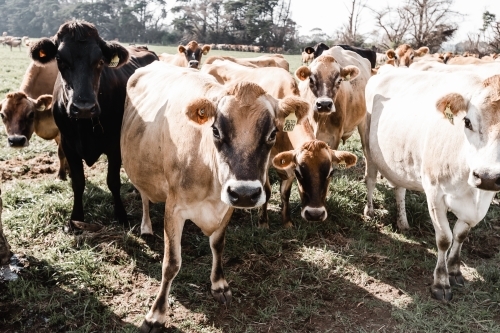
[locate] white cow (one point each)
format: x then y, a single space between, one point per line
438 133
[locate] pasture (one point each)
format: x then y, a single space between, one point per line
346 274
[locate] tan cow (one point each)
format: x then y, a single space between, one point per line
404 55
334 84
307 57
467 61
275 60
311 160
207 150
187 56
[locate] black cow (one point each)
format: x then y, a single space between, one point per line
365 53
88 102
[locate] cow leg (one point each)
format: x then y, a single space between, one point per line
402 221
285 189
263 218
146 227
460 232
220 289
77 182
173 225
113 181
371 181
440 288
63 164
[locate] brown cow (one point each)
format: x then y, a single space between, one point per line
207 148
188 56
307 57
470 60
404 54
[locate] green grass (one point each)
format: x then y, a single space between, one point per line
346 274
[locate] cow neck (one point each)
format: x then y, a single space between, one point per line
301 134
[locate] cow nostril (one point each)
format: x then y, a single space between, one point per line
256 195
475 175
318 105
330 104
233 196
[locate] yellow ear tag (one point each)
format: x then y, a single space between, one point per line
449 114
348 77
114 62
41 108
42 54
290 122
342 165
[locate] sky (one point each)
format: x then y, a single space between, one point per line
329 15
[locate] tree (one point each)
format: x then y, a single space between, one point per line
348 34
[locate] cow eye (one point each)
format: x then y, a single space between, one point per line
2 115
215 132
297 173
311 81
31 115
468 123
101 62
272 137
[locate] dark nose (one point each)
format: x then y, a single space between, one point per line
314 214
486 181
193 64
244 196
17 140
324 105
83 110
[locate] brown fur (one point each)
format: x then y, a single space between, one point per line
343 156
494 83
303 73
200 110
455 101
245 92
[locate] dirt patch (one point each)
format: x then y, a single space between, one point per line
44 165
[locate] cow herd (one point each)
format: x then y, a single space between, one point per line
202 141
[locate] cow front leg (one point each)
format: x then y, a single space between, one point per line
146 226
173 225
63 164
263 217
285 189
402 221
77 183
440 288
114 184
460 232
220 289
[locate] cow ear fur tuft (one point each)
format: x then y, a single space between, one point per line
284 160
43 51
302 73
454 101
343 157
200 110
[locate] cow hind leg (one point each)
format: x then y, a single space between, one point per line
113 181
173 225
285 189
263 216
371 181
460 232
402 221
146 226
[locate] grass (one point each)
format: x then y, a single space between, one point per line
346 274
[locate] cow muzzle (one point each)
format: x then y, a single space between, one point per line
193 64
84 110
18 141
314 214
243 194
324 105
486 181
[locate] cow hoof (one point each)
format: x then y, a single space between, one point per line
457 279
61 176
223 296
369 212
441 293
288 225
151 328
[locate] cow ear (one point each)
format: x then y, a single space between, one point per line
205 49
285 160
349 73
114 54
291 104
181 49
421 51
302 73
43 51
43 102
309 50
200 110
390 54
343 159
450 104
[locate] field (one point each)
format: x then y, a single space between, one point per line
346 274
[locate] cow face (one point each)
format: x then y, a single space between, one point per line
244 127
19 113
81 56
193 53
313 165
325 75
404 54
316 50
480 119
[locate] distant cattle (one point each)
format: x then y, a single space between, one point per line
437 133
334 84
89 97
404 55
468 61
207 149
274 60
307 57
187 56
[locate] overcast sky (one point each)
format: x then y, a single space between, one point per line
329 15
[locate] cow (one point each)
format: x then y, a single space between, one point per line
187 56
307 57
88 103
311 160
404 55
5 253
13 42
468 61
334 84
275 60
319 48
439 136
207 147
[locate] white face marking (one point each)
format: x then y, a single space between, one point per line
243 193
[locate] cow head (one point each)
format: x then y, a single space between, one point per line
404 54
316 50
244 122
81 56
19 113
325 76
313 165
479 116
193 53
